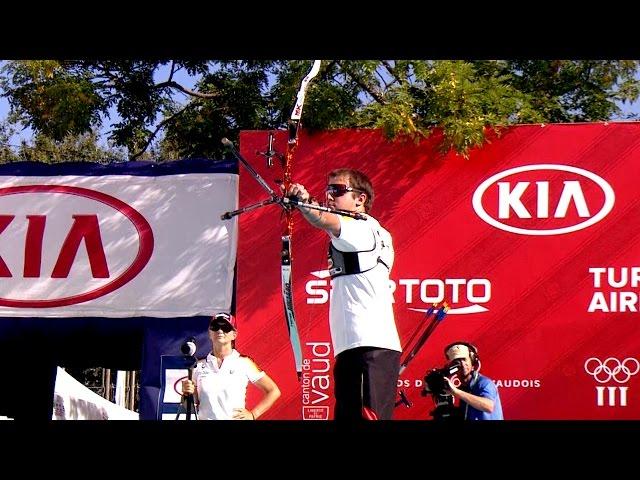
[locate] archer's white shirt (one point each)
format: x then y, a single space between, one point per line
361 305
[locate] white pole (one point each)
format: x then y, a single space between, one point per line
121 386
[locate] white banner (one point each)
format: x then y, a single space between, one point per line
74 401
117 245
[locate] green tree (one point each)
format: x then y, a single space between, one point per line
406 98
80 147
7 155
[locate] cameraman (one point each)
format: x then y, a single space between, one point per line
477 394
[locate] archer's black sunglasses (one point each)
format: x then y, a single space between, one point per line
339 189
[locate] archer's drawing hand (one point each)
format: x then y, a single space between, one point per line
298 191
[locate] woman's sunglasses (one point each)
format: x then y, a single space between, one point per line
225 327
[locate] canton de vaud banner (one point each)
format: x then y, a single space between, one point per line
534 241
82 240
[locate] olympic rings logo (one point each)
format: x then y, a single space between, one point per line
612 368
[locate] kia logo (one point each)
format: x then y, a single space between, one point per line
42 232
543 199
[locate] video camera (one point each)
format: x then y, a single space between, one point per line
436 385
434 382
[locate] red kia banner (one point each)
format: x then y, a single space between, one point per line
534 241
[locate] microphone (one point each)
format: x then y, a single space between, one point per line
226 142
189 348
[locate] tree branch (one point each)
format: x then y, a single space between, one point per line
177 86
384 81
158 128
372 90
392 71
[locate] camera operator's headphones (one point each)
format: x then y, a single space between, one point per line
473 353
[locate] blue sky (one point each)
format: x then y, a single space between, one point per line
182 78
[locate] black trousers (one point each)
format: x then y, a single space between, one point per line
365 376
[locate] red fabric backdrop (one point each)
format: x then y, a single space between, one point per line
551 357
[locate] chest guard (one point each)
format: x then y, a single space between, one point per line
350 263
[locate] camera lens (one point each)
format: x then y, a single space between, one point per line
436 382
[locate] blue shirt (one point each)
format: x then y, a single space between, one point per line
483 387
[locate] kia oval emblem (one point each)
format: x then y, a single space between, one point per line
84 228
522 200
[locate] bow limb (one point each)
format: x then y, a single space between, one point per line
286 257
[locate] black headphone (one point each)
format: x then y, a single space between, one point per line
473 353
